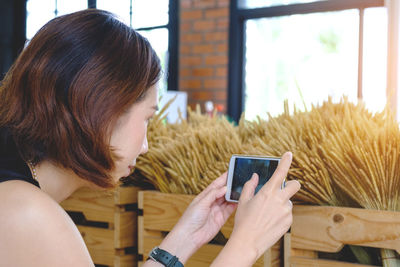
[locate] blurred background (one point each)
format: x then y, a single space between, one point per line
247 55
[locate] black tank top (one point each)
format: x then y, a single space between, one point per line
12 166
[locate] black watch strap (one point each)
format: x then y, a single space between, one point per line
164 257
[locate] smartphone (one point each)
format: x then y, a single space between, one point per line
242 167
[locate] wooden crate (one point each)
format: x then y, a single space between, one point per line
161 212
107 221
327 229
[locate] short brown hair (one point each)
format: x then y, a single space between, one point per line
69 86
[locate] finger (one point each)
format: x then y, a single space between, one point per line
221 192
228 209
220 181
291 188
217 183
212 196
280 173
249 189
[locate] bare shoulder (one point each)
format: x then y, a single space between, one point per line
36 231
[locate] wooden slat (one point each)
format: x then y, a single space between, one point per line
98 238
98 242
289 252
162 211
272 257
125 232
140 199
129 260
106 246
203 257
126 195
101 247
329 228
142 232
306 258
305 262
98 205
287 246
95 205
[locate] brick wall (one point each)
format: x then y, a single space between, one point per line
203 55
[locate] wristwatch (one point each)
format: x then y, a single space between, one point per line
164 257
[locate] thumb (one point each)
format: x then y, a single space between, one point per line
249 188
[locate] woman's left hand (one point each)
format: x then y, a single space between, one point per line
201 221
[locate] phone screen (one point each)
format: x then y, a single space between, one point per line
244 169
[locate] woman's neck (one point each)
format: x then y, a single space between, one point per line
57 182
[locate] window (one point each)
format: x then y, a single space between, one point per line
305 51
39 12
159 25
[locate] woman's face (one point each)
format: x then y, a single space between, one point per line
129 136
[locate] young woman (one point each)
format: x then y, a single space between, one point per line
74 109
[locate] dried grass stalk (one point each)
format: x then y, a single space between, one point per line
185 157
343 154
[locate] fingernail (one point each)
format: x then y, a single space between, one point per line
288 154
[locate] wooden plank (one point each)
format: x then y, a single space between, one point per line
149 242
99 238
128 260
99 243
125 232
203 257
287 246
99 205
329 228
140 199
289 252
95 205
272 257
306 262
106 245
126 195
305 258
142 232
161 211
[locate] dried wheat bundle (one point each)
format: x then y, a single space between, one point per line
334 146
301 133
343 155
185 157
364 158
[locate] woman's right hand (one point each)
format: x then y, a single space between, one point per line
263 218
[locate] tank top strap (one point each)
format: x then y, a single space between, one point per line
12 166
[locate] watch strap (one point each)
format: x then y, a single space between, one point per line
164 257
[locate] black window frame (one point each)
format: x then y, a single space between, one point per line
238 16
173 39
